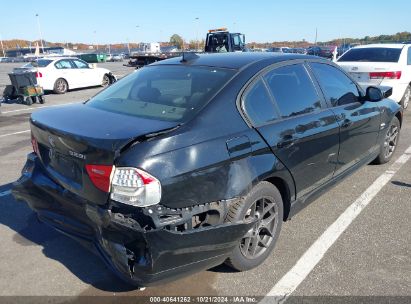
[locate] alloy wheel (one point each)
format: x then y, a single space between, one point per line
258 239
407 97
106 81
61 85
390 142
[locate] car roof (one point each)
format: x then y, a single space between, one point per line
231 60
55 58
381 45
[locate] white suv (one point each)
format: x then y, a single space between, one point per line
381 65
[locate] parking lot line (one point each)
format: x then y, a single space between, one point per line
296 275
15 133
35 108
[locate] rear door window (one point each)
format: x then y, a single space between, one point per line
337 87
80 64
258 105
293 90
63 64
380 54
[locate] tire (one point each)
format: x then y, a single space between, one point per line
42 99
406 98
9 92
263 199
28 101
60 86
106 81
390 142
20 99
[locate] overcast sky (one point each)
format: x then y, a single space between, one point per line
112 21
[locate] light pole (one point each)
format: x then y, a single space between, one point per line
95 40
128 46
2 47
198 21
41 36
137 27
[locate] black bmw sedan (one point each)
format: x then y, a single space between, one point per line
196 161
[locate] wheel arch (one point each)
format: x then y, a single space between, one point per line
399 116
285 192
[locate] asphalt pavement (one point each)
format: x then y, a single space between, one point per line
371 258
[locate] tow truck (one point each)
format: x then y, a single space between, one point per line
221 40
218 40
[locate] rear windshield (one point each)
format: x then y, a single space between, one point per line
372 55
165 92
41 63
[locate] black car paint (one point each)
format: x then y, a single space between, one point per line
100 141
204 166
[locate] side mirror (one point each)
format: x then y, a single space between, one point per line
373 94
386 91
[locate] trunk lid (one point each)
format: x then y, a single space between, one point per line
26 69
360 71
71 137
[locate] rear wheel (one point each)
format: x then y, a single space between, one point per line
390 142
42 99
263 205
60 86
406 98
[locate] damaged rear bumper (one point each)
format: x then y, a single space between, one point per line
138 249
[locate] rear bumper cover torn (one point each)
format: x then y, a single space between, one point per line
142 246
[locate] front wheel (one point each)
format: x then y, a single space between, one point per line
264 205
406 98
106 81
389 145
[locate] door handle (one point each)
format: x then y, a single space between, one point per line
287 141
346 123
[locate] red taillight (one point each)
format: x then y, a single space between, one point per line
146 178
385 75
100 176
34 144
133 186
39 75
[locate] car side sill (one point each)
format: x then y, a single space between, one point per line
304 201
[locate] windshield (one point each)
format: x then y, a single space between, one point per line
41 63
165 92
372 55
